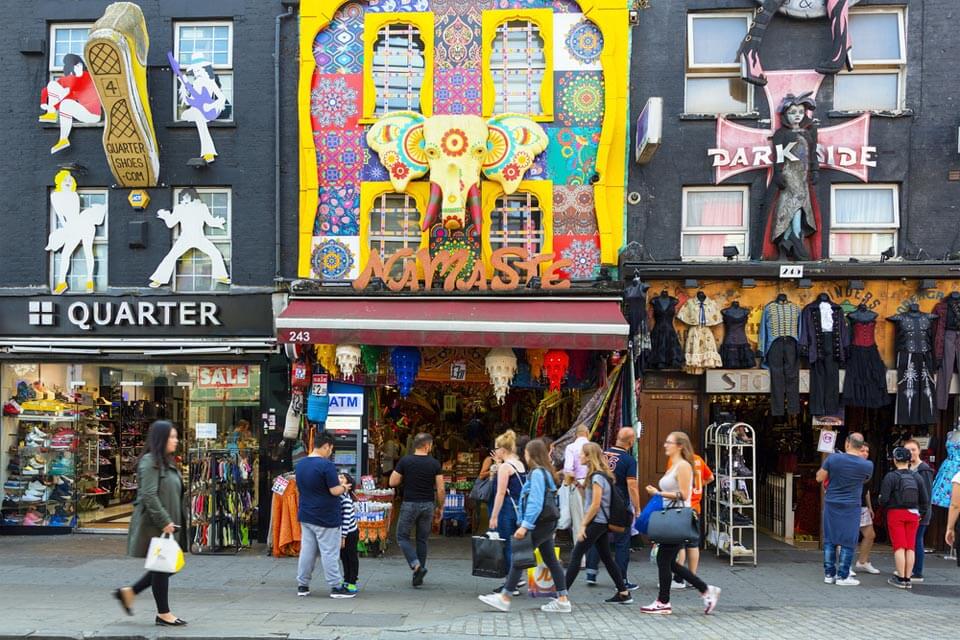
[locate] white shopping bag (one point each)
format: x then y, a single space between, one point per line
564 498
164 555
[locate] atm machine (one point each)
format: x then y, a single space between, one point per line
345 422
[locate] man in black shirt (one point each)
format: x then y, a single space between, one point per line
423 492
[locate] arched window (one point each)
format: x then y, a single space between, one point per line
517 221
394 224
399 63
518 65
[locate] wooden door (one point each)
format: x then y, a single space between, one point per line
661 413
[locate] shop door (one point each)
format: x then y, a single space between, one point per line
662 413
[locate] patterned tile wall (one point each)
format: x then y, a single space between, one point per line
344 158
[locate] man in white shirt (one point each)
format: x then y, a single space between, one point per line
574 473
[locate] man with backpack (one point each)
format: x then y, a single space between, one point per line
624 468
907 501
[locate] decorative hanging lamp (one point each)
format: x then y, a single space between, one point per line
370 354
327 357
406 364
535 358
501 367
348 357
556 362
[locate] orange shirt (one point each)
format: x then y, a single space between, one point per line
702 475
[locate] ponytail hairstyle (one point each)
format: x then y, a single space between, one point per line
507 440
596 461
537 458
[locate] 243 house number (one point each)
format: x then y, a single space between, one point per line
298 336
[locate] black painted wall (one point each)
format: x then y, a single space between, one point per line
916 150
245 162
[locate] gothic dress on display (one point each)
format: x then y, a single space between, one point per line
823 340
942 485
946 345
865 383
736 351
665 349
779 332
635 297
701 313
914 348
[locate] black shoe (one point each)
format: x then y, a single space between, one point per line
119 597
418 575
619 598
342 592
303 591
163 623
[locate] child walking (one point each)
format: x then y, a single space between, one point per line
349 536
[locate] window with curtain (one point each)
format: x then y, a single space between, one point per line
714 217
394 225
398 68
517 221
79 275
518 66
880 62
865 220
713 83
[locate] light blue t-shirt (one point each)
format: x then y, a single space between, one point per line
600 479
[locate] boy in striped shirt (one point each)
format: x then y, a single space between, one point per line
349 536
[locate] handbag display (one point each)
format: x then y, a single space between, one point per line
522 552
164 555
674 525
488 557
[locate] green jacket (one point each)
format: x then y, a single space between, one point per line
159 502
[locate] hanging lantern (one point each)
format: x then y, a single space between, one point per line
556 362
406 363
501 367
535 358
370 355
327 357
348 357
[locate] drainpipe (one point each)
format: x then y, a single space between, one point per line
276 134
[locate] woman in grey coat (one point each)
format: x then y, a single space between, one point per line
158 509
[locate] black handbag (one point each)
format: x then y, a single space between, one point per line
482 490
489 560
522 552
674 525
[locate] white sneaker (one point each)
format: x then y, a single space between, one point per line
556 606
495 601
852 574
657 608
847 582
829 579
868 567
710 599
674 585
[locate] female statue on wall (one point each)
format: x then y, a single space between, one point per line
793 217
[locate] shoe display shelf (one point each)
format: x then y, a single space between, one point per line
222 512
39 472
730 510
98 460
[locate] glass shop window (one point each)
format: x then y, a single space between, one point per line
865 220
879 59
714 217
712 83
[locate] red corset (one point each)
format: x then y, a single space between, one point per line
863 334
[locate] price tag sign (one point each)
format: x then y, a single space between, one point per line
828 441
280 485
206 431
458 370
318 386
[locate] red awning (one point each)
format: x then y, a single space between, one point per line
561 323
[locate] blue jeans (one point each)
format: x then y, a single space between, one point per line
507 526
918 563
417 515
830 568
620 543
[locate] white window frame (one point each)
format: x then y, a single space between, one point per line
686 230
217 67
98 241
871 228
215 239
894 66
54 71
729 70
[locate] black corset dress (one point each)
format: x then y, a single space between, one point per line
665 349
735 351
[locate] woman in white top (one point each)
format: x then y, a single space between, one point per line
676 487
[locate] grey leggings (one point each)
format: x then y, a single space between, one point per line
542 540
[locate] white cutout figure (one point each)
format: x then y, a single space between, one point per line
201 93
72 97
192 215
75 228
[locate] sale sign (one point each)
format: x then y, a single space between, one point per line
226 377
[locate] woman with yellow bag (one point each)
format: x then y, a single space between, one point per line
158 512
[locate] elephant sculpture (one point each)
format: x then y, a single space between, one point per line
455 149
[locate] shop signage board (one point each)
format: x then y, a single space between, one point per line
237 377
828 441
206 430
346 404
343 423
133 316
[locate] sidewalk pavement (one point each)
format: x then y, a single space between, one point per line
59 587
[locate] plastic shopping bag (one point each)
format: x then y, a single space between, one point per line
164 555
565 521
489 560
539 580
